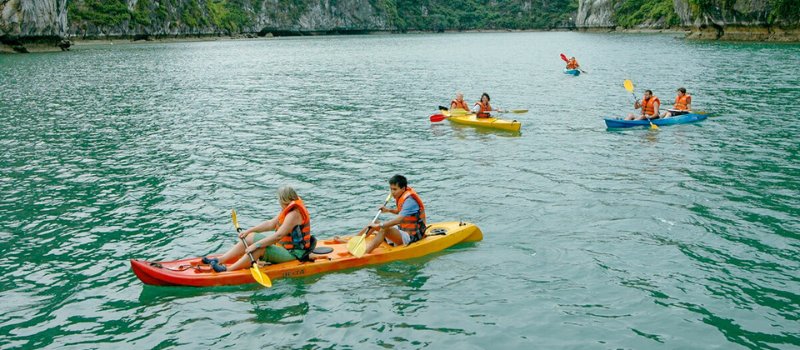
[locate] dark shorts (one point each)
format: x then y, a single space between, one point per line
673 112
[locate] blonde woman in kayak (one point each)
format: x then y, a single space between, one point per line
408 226
483 107
459 102
292 239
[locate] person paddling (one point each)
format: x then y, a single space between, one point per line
649 106
408 226
683 104
573 63
292 239
459 103
483 107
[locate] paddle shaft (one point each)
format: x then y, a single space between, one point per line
253 260
379 212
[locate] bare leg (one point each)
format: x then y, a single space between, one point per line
237 251
244 261
630 117
390 232
339 239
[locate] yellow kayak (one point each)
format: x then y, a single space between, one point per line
191 272
491 122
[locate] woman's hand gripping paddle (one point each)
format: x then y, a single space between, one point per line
261 278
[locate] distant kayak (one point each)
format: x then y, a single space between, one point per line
681 119
575 72
191 272
491 122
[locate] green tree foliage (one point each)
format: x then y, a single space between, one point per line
630 13
473 14
99 12
785 11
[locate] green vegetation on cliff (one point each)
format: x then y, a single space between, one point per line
440 15
780 12
631 13
240 15
230 15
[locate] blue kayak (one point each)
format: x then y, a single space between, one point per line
681 119
575 72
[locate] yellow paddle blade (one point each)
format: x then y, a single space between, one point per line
355 244
233 218
653 126
628 85
359 250
261 278
519 111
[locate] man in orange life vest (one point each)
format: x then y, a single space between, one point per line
292 239
649 106
409 225
683 104
459 102
573 63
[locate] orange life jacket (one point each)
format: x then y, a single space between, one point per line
648 106
572 64
682 102
415 225
455 104
300 236
484 111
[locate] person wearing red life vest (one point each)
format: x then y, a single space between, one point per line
410 223
683 104
649 105
292 239
459 103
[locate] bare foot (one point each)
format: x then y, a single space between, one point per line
338 239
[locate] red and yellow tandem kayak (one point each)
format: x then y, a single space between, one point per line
191 272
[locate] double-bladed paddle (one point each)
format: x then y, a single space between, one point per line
261 278
435 118
357 245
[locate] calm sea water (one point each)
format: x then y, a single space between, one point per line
682 238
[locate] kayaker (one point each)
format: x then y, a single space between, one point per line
459 102
292 239
483 107
409 225
683 104
649 106
573 63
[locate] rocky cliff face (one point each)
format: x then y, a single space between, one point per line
595 14
714 19
33 18
193 17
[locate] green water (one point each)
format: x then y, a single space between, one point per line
681 238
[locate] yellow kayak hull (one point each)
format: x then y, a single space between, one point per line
491 122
